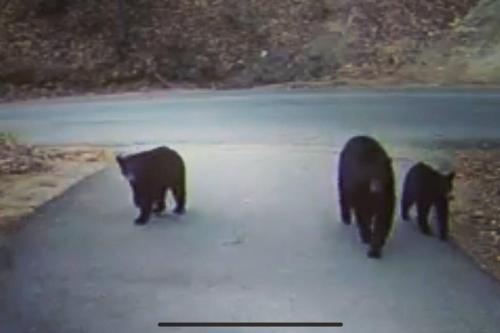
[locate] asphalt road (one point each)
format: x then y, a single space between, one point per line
261 240
407 117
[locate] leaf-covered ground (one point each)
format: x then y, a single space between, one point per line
30 176
476 211
60 47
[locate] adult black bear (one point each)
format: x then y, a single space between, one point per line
366 186
426 187
150 174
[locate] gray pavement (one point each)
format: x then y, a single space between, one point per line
424 118
261 241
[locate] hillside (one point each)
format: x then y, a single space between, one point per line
58 47
468 53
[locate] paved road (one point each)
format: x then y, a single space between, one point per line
261 240
416 117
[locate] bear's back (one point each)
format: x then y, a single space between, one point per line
155 164
425 181
363 159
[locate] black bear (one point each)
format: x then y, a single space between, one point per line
426 187
151 174
366 187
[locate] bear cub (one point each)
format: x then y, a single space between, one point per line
366 188
425 187
150 175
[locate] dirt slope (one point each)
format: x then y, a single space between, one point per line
55 47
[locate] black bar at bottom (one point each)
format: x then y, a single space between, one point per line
250 324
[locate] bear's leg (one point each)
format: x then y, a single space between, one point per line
378 238
345 203
442 217
363 222
146 206
381 229
382 223
375 251
160 203
406 203
179 193
365 231
345 209
423 209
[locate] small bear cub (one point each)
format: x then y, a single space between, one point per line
426 187
150 175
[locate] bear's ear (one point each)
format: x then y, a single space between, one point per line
120 159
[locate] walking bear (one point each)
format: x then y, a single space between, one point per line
366 187
151 174
426 187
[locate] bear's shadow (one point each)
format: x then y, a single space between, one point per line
167 217
405 239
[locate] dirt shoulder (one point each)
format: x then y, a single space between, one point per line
475 221
124 92
31 176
